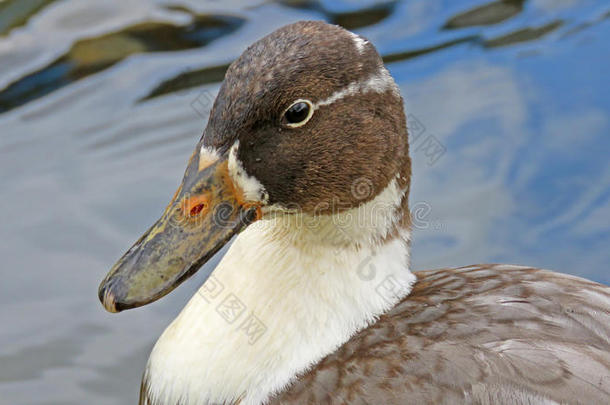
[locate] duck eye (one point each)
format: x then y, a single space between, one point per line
298 113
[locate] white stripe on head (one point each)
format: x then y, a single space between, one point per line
252 188
379 82
359 42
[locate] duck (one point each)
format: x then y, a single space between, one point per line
304 170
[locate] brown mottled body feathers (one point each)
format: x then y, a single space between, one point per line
483 334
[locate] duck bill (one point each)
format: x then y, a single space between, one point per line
206 211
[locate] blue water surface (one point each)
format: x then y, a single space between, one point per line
101 104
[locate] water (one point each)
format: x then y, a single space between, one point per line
102 102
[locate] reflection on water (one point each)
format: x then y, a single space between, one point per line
349 19
102 103
524 34
486 14
15 13
92 55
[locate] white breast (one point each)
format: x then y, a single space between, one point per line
279 301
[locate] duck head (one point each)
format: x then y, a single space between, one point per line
306 118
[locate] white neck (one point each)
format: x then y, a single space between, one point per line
289 291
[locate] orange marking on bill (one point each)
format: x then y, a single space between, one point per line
257 207
236 191
195 205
